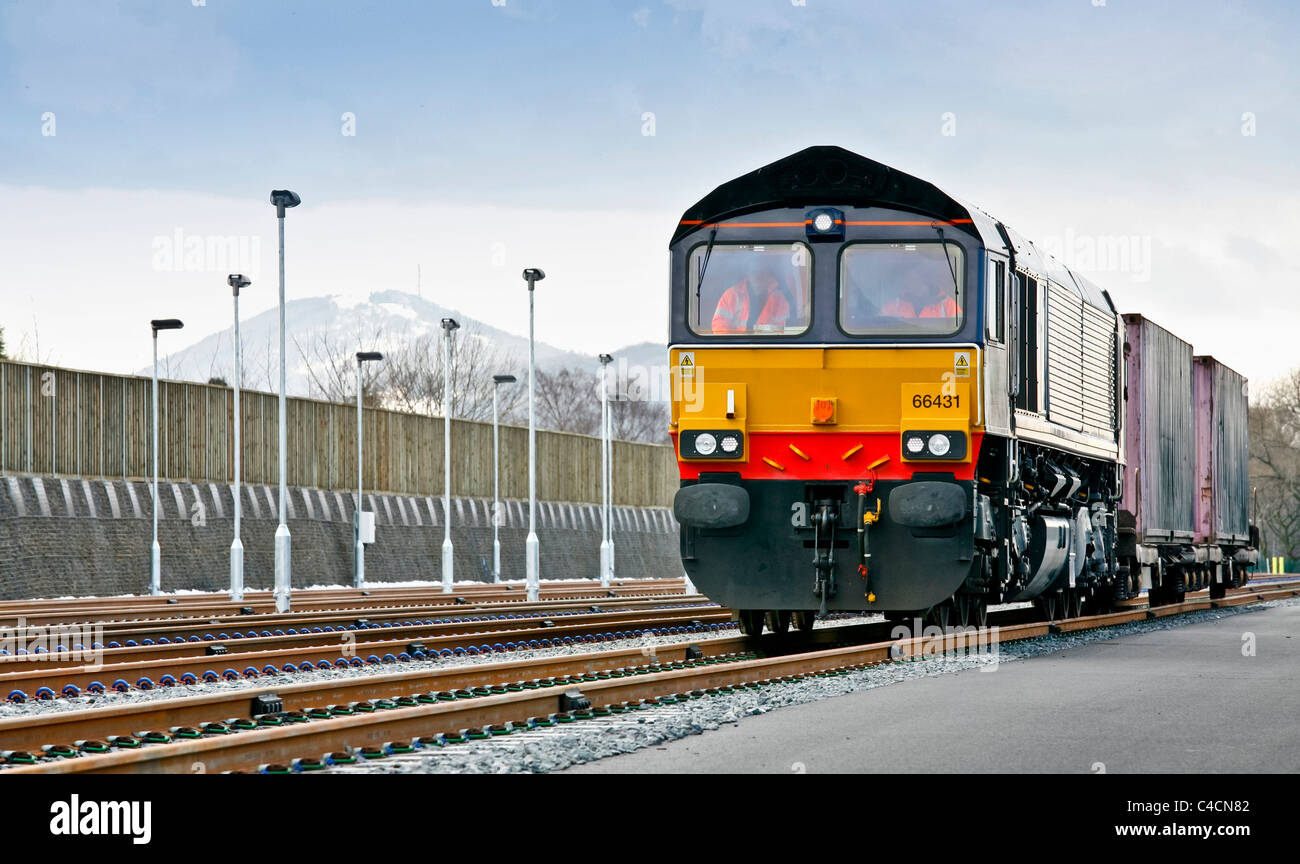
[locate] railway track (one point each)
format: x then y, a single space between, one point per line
314 735
146 667
260 603
167 638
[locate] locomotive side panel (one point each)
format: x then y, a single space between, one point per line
1160 478
1065 372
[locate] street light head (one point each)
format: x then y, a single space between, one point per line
165 324
504 379
533 274
283 198
605 358
363 356
237 281
450 324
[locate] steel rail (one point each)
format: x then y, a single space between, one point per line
146 608
398 621
83 676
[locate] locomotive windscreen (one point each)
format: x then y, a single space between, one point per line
750 289
901 289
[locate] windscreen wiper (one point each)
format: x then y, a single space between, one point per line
956 289
704 265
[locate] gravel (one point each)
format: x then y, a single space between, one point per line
543 750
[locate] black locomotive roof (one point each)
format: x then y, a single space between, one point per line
823 175
828 175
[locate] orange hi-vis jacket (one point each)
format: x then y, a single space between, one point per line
945 308
732 314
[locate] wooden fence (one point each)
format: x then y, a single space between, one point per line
73 423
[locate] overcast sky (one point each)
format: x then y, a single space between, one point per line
571 135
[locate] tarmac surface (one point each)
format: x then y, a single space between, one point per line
1216 696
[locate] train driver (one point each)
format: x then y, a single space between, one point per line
756 302
920 299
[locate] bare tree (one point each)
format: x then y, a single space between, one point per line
411 379
260 367
640 420
332 367
29 348
1275 466
568 400
220 363
414 376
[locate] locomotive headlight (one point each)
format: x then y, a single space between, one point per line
946 445
713 444
824 223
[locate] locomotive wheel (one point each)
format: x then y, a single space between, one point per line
1073 603
778 622
963 607
804 620
1047 606
751 621
939 615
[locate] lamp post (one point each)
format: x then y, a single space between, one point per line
237 281
497 381
155 552
449 325
532 554
609 470
605 564
283 199
358 547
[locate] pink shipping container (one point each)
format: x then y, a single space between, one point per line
1222 454
1159 496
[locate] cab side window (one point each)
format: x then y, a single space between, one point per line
996 296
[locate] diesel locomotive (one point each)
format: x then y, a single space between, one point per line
885 399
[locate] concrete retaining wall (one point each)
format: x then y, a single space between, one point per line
68 536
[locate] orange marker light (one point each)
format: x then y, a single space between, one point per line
802 455
823 411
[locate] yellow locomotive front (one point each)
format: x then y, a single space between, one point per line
826 361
